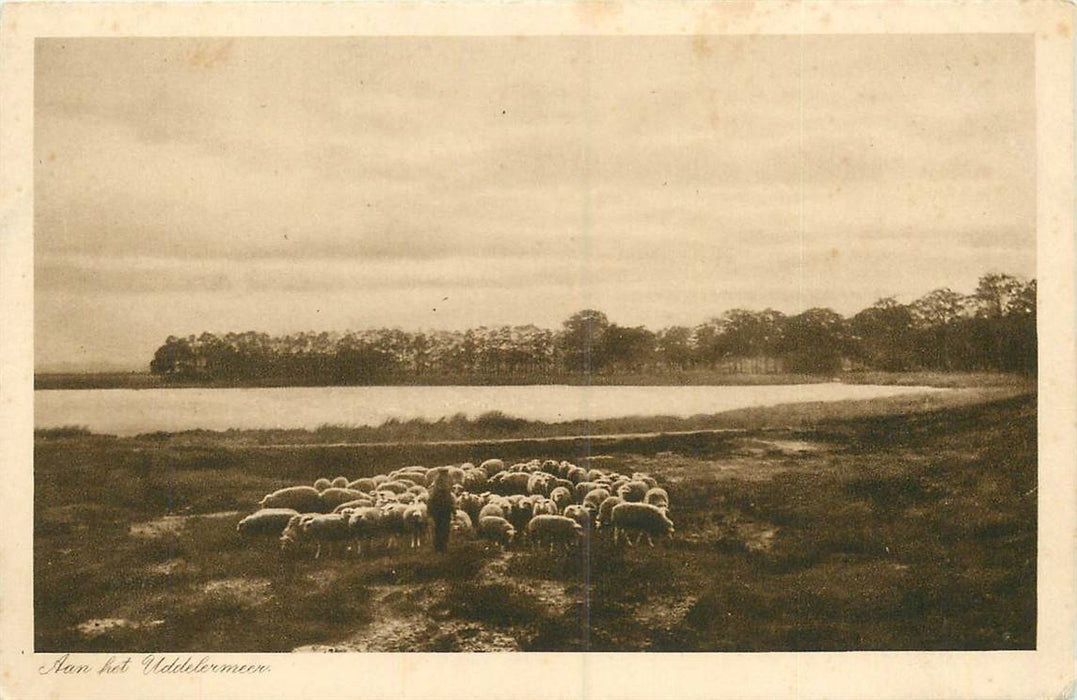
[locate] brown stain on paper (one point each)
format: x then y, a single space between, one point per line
210 54
701 46
597 13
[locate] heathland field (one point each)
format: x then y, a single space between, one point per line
899 523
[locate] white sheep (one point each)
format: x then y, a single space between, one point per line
510 483
361 502
642 518
364 484
461 523
456 475
292 535
539 483
475 479
554 529
645 478
364 524
657 497
384 498
497 530
633 491
580 514
520 511
491 510
267 521
543 506
334 496
318 528
576 474
561 496
493 466
322 484
594 499
395 486
339 482
304 499
392 521
585 487
605 511
415 523
596 474
413 473
471 504
558 482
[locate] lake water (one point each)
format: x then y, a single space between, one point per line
131 411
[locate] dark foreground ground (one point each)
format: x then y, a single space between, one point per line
870 531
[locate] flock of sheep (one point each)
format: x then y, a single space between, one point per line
547 503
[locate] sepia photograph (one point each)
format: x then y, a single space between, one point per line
535 342
481 344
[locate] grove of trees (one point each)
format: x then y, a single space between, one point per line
994 328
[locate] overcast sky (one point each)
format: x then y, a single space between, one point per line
331 184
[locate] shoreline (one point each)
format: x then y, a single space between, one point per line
63 381
499 428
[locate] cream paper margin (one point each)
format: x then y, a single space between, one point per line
1046 672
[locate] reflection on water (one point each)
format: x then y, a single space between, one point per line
129 411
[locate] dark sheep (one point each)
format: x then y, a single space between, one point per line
441 507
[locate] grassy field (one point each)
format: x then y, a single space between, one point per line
870 525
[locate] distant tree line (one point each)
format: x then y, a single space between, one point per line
994 328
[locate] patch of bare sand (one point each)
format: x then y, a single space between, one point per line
248 592
167 525
752 458
553 594
664 612
734 531
172 567
405 618
404 622
420 633
173 524
100 626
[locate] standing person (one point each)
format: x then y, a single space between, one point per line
441 506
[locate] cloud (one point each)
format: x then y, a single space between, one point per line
296 183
